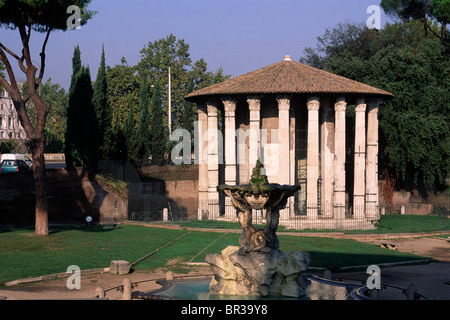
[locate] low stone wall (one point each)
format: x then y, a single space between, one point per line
72 195
161 185
407 204
52 157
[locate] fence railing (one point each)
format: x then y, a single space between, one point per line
325 217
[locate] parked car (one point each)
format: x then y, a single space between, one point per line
17 156
10 166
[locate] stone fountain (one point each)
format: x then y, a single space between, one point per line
258 267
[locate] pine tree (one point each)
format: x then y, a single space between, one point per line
42 17
103 110
158 137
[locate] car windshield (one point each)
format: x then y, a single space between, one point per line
7 163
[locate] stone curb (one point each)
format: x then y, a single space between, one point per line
390 264
51 276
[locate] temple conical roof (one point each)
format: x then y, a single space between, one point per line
288 77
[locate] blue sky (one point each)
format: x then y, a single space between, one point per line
237 35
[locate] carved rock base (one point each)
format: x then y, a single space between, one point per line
258 273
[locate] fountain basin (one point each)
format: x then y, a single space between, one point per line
198 289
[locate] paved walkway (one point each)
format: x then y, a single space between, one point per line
431 280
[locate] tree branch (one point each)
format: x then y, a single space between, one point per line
12 85
19 60
5 84
404 22
42 54
31 70
433 32
26 98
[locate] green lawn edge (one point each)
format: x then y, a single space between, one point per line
24 255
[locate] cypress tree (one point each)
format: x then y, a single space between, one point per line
129 137
87 137
103 110
118 143
82 122
188 116
143 132
70 126
158 137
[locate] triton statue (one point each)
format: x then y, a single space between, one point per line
258 267
259 194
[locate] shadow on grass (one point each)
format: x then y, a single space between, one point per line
335 261
93 228
59 229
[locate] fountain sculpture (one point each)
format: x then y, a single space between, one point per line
258 267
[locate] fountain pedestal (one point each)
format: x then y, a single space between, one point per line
258 267
258 273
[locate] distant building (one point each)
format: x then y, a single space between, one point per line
10 127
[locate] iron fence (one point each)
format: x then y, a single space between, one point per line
324 218
147 208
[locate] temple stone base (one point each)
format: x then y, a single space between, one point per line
303 223
258 273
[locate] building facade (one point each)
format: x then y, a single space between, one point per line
10 127
292 117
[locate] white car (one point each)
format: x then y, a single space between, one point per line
18 156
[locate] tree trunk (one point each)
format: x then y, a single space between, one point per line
37 151
444 31
35 132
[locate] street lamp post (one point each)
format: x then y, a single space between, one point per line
170 106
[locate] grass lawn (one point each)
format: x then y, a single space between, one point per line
393 223
23 254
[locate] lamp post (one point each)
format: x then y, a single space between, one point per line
170 106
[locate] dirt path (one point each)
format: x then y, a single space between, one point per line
436 248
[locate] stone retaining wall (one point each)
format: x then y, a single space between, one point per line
72 195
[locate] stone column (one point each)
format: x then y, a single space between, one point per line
339 160
201 158
359 187
284 169
283 140
254 105
213 160
292 180
312 174
372 159
327 157
230 151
